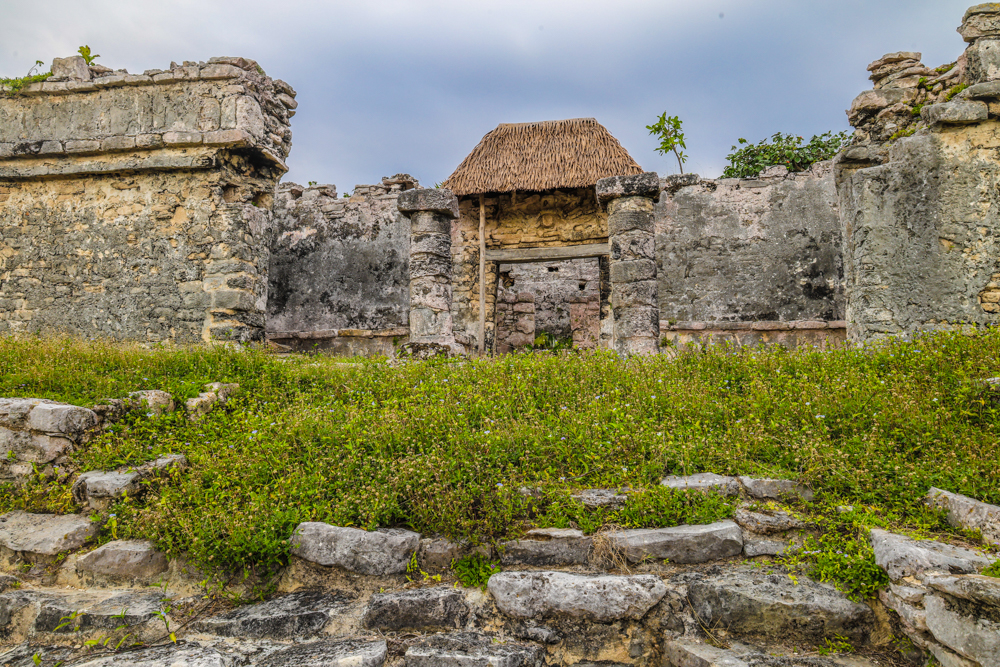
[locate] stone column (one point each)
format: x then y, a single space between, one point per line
981 29
634 299
430 212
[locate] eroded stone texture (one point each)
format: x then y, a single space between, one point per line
99 488
772 604
330 653
745 250
190 655
703 481
423 609
298 614
596 598
360 551
548 547
124 559
340 266
39 431
681 544
968 513
471 650
159 224
33 535
775 489
902 556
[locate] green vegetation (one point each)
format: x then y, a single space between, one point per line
944 69
14 86
668 130
474 570
955 91
87 56
782 149
451 447
905 132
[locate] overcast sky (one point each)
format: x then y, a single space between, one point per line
387 86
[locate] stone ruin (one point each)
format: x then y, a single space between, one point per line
147 207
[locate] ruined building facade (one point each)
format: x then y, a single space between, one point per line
147 207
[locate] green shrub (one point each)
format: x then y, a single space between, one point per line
475 570
782 149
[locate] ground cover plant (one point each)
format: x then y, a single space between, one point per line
483 449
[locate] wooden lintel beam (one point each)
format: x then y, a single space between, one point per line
522 255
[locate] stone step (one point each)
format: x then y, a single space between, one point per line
548 547
423 609
330 653
472 650
901 556
750 602
44 536
693 653
35 612
681 544
968 513
296 615
600 598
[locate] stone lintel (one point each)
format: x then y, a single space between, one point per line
553 254
165 160
435 200
637 185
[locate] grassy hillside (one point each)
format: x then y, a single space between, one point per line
447 447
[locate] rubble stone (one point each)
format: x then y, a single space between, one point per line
597 598
124 559
956 111
98 488
298 614
44 534
681 544
421 609
547 547
360 551
330 653
703 481
775 489
965 512
902 556
471 650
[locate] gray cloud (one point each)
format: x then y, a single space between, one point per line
412 85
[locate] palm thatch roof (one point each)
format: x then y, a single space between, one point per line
573 153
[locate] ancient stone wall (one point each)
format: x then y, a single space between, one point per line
738 257
519 220
919 208
139 206
339 270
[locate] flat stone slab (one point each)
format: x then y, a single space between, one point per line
330 653
44 534
601 498
704 481
436 200
546 547
772 604
23 656
599 598
775 489
972 635
182 655
472 650
99 487
124 559
360 551
691 653
129 608
965 512
975 588
955 112
420 609
298 614
681 544
764 547
768 523
901 556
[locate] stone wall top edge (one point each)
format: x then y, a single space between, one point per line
759 325
339 333
770 176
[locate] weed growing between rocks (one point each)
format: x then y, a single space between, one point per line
453 448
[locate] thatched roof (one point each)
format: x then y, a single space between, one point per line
573 153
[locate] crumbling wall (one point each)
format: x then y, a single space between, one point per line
920 213
751 256
516 220
139 206
339 269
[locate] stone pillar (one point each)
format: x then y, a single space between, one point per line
430 212
631 237
981 29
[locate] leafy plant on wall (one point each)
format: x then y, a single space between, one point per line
668 129
782 149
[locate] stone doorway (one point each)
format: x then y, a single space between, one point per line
559 298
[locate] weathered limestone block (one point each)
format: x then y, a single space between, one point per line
330 653
602 498
169 231
431 212
902 556
421 610
99 488
768 523
373 553
984 60
917 231
38 431
681 544
154 401
44 535
124 559
596 598
980 21
968 513
703 481
472 650
216 393
775 489
188 655
546 547
756 546
294 615
970 635
756 603
955 112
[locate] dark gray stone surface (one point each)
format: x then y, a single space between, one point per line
436 200
298 614
681 544
772 604
330 653
422 609
637 185
545 547
471 650
741 250
338 263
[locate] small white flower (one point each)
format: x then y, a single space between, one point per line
820 416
